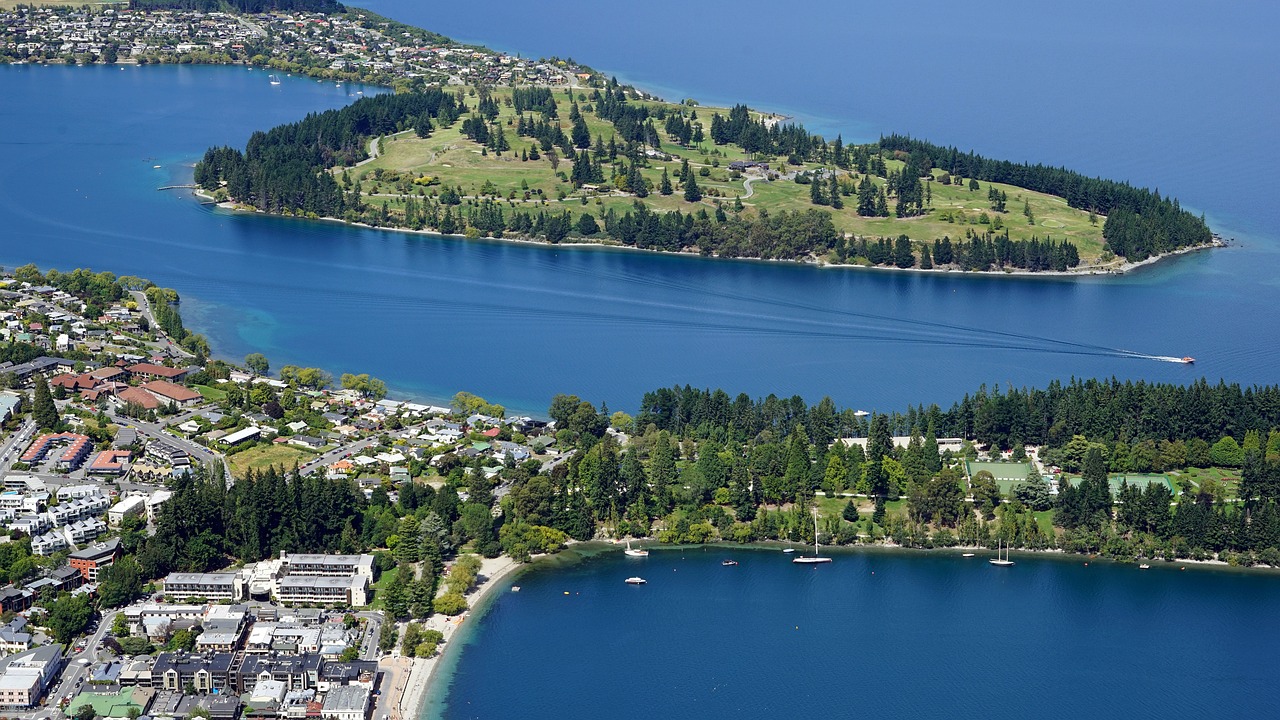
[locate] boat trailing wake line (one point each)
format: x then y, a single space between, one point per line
945 334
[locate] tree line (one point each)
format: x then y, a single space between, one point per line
1140 222
285 169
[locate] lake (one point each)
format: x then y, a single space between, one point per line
877 633
518 324
1174 95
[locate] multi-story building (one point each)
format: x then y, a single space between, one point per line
95 557
210 586
26 676
351 591
327 565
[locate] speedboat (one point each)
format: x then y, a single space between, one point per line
635 581
1188 360
727 563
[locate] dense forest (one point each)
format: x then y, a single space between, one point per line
1139 224
244 6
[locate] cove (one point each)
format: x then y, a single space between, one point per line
895 634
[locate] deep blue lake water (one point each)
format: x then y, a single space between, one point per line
880 634
518 324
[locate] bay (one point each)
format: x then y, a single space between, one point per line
877 633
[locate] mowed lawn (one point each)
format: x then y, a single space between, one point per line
265 456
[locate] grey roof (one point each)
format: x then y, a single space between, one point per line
346 698
97 551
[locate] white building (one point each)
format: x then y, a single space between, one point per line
132 505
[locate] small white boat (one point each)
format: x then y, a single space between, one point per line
1006 562
515 588
155 167
635 552
816 558
636 581
788 550
966 554
274 80
1144 566
728 563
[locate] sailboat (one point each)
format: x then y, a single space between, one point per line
637 552
1006 562
805 559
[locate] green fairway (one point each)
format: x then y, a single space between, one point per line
411 167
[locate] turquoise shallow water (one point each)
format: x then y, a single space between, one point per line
882 633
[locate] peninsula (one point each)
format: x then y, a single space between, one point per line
483 144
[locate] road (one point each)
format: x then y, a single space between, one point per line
73 674
373 627
166 345
13 446
336 454
395 673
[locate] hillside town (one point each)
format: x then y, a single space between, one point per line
355 46
293 636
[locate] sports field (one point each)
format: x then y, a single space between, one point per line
1139 480
1007 474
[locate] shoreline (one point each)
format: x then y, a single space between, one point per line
1084 272
422 671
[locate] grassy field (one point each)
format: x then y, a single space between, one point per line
451 159
265 456
1223 482
211 393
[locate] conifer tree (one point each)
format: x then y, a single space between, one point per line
43 411
691 191
665 186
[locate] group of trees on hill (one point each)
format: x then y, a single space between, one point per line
286 169
1140 223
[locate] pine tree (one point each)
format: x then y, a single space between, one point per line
665 186
834 192
816 196
882 204
691 191
43 411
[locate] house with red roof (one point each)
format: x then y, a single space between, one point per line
138 396
157 372
167 392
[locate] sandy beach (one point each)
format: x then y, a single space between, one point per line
422 670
